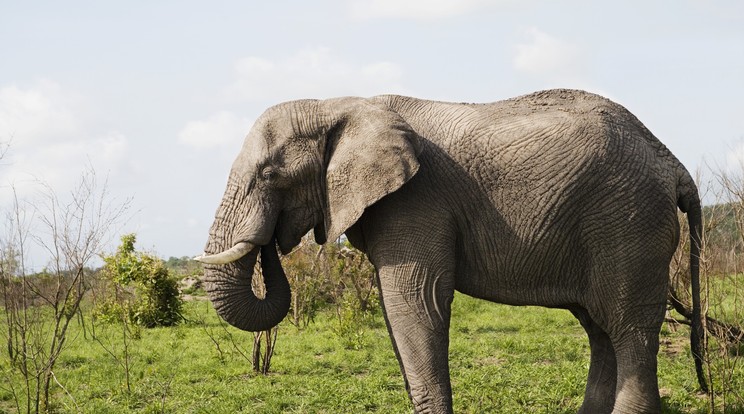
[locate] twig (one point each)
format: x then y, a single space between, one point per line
721 330
65 390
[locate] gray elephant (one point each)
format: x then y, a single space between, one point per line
559 198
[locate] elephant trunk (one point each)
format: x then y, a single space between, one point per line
229 287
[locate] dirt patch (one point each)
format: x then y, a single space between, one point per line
193 297
489 361
673 346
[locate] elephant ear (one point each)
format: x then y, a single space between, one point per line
371 153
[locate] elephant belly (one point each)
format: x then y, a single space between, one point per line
522 273
528 290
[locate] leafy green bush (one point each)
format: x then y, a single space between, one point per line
331 274
354 322
156 300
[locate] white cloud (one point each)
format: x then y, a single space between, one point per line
38 113
221 129
59 164
544 54
416 9
50 140
311 73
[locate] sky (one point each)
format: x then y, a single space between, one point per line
156 96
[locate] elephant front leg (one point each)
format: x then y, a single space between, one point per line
417 311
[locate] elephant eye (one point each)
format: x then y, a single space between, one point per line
269 173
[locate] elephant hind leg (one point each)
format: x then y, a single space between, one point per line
637 384
602 380
631 319
635 337
622 373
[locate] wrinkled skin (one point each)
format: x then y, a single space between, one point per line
559 198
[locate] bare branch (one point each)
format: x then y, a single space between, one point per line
71 233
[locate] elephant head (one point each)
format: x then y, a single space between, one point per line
304 165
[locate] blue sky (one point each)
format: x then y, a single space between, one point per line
159 94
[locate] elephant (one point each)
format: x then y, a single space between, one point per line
559 198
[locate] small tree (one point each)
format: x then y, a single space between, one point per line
721 264
39 307
308 274
156 300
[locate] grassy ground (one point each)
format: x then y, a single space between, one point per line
503 360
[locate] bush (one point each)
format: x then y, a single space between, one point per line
331 274
156 300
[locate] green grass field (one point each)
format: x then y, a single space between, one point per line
502 359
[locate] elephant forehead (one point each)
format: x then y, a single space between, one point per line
267 136
252 154
257 147
248 161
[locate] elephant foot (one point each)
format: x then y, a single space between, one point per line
597 406
638 397
439 402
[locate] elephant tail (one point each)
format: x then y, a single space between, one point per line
689 202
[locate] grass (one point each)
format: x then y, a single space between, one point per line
502 360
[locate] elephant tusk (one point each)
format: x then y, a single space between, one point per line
228 256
